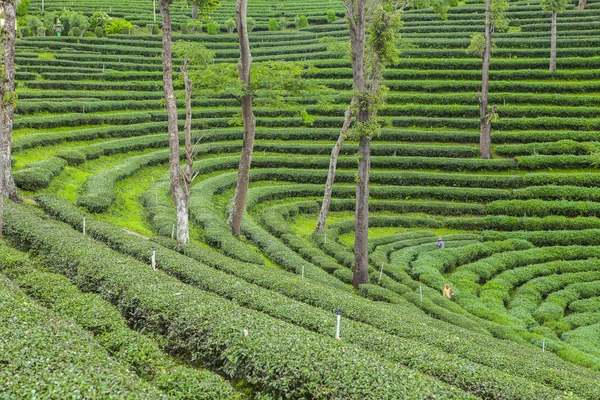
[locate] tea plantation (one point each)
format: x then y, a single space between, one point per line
84 315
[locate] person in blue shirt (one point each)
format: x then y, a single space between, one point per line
440 243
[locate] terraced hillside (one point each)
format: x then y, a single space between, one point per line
229 318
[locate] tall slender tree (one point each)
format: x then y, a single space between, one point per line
249 121
381 20
7 102
582 4
177 191
9 97
180 182
495 20
555 6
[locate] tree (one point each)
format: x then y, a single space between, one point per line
8 102
582 4
495 20
201 7
177 191
384 29
368 59
244 68
555 6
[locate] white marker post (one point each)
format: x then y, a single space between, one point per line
421 292
338 312
543 344
173 232
84 224
380 272
302 271
153 257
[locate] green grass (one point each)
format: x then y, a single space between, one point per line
127 210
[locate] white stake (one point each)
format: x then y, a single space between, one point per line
339 312
302 271
380 272
153 257
154 3
173 232
543 344
84 224
421 292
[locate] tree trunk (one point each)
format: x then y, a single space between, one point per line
194 12
177 192
335 152
553 43
485 139
7 103
361 229
244 68
355 12
582 4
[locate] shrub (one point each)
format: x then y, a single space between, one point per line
118 26
75 31
331 16
99 31
300 20
230 25
212 27
250 24
273 25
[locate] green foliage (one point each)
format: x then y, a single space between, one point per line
73 19
99 32
99 19
273 25
212 27
383 35
23 8
331 16
205 7
230 25
250 24
554 5
118 26
301 21
199 56
499 20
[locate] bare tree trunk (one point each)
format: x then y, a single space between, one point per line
194 12
485 139
244 68
7 101
553 43
355 12
177 192
335 152
582 4
361 229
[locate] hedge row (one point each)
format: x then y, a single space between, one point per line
68 362
505 223
39 174
560 147
202 326
139 353
541 208
327 298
